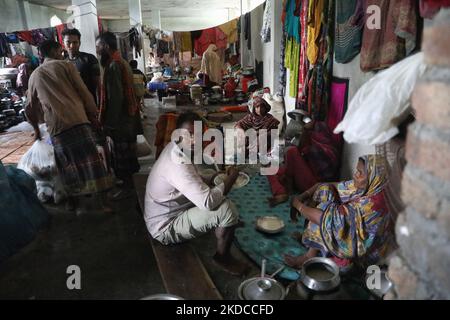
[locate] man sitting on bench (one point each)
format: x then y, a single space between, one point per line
180 206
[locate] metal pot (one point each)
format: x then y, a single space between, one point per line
294 129
386 285
259 288
320 274
163 296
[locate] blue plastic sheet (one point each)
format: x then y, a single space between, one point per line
21 213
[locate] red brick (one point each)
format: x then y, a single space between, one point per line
416 194
431 155
436 45
404 279
432 104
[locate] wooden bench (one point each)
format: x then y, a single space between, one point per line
182 271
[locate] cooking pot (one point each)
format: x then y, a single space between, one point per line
164 296
320 275
261 288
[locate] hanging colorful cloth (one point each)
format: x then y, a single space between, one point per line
59 30
265 30
303 65
186 43
395 40
230 29
25 36
38 37
348 31
429 8
128 87
292 63
282 69
315 10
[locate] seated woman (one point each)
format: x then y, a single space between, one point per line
315 159
351 221
259 118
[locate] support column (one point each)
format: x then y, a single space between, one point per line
135 12
86 21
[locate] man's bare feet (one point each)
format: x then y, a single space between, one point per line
296 262
230 265
278 199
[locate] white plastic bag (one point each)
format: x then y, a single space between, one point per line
39 161
382 103
143 148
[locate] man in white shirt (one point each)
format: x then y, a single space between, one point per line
180 206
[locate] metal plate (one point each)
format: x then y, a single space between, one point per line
270 224
242 180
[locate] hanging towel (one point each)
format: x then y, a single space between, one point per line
265 30
348 31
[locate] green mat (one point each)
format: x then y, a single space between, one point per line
251 202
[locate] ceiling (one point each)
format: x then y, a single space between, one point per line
174 15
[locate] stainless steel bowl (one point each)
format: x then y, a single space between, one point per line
320 274
386 285
163 296
258 288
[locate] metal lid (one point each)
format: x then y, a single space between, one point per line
261 289
163 296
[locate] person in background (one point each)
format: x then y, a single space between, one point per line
58 97
260 120
22 78
140 83
211 67
86 63
180 206
153 61
315 159
119 112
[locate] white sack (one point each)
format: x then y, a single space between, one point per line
382 103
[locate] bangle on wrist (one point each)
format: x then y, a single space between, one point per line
301 208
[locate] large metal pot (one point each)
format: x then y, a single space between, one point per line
320 275
259 288
163 296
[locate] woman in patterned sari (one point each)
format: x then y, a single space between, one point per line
351 221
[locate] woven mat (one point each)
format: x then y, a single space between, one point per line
251 201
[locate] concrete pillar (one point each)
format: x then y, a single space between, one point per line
24 10
85 17
135 12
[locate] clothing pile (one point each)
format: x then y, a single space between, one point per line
21 213
39 163
10 42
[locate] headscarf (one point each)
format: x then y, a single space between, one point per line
211 64
255 121
375 169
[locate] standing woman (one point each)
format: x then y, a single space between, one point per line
211 67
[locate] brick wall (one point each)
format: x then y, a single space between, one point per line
420 269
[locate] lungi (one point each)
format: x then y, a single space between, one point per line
80 165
